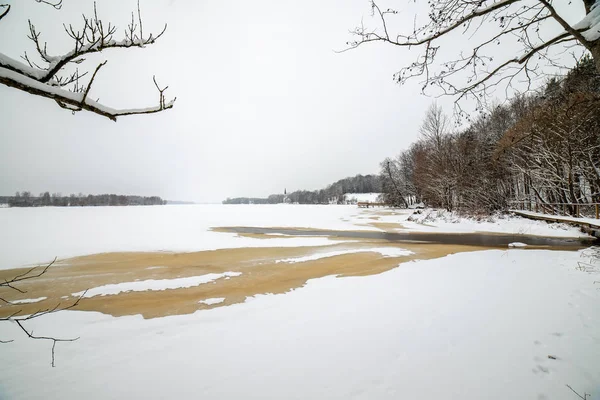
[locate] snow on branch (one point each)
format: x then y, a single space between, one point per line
57 5
477 73
48 78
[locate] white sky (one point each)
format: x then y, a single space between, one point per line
263 102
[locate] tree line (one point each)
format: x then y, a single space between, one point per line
25 199
540 150
333 193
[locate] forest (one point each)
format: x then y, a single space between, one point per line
540 151
25 199
333 193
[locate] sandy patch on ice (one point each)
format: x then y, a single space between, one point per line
326 234
260 274
387 226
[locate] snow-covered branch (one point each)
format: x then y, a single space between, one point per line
477 74
49 79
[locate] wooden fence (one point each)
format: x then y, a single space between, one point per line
577 210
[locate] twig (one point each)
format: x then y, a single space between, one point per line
6 11
20 320
57 5
585 395
54 340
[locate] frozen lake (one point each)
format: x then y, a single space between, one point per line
37 235
269 312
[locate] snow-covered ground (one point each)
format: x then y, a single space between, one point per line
153 284
384 251
513 324
36 235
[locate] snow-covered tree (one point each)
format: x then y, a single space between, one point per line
537 26
52 76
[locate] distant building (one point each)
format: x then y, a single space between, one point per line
286 199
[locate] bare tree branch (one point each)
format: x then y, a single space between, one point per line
54 340
396 188
57 5
48 79
6 8
477 74
20 320
585 395
26 276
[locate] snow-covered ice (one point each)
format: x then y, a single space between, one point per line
384 251
214 300
88 230
467 326
517 244
154 284
28 301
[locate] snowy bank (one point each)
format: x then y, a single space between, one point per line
432 220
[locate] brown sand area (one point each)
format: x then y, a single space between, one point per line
260 274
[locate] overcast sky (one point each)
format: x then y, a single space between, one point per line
263 102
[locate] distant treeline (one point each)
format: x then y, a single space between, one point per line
331 194
25 199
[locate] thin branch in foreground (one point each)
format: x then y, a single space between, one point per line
54 340
57 5
21 320
6 10
50 80
25 276
161 100
585 395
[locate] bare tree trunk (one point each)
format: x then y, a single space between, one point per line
389 171
595 50
588 5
